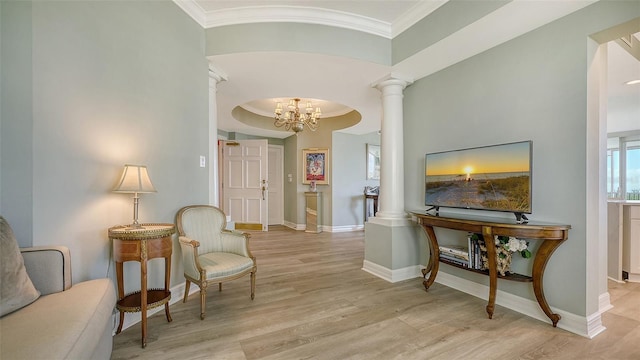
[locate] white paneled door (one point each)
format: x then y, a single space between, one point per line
276 186
245 183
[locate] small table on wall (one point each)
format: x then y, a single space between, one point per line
148 242
551 235
375 205
313 211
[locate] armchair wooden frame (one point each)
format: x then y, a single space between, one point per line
232 242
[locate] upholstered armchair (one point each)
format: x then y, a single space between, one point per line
210 253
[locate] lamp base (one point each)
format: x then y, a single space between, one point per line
134 226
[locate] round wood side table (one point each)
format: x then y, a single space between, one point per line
150 241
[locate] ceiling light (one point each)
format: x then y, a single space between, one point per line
293 119
633 82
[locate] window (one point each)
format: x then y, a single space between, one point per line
633 170
623 168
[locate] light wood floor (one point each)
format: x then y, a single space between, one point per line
313 301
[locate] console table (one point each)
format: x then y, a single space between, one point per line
375 205
142 244
551 235
313 211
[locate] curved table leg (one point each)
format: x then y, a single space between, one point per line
493 272
119 268
434 256
539 263
167 278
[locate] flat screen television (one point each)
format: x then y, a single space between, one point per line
496 178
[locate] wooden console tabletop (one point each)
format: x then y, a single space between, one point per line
552 236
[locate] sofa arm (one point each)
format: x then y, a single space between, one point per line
49 268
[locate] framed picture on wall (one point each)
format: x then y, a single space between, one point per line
315 165
373 162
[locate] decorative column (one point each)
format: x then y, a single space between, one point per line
391 150
391 251
215 76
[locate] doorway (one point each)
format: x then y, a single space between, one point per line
245 183
599 111
276 185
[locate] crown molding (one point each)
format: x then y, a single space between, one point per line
307 15
415 14
298 14
192 9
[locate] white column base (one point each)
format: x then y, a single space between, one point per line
391 222
393 244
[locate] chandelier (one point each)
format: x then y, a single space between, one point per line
293 119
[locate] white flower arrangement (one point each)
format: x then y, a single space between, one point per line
505 247
513 244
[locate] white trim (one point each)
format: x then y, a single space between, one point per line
604 302
308 15
392 276
390 222
616 280
294 226
327 228
594 325
413 15
635 278
298 14
192 9
343 228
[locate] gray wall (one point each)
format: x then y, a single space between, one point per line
350 177
111 83
16 121
446 20
531 88
321 138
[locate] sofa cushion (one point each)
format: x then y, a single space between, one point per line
65 325
16 288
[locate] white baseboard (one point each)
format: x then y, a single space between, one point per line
615 280
584 326
634 278
294 226
327 228
604 303
344 228
594 325
389 275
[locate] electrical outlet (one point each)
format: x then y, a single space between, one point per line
203 161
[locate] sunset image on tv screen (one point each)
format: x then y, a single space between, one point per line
493 178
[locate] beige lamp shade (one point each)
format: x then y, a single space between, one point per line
135 179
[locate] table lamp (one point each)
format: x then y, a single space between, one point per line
135 180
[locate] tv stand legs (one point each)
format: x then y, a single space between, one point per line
434 258
539 264
493 270
551 238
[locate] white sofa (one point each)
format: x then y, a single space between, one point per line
65 322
